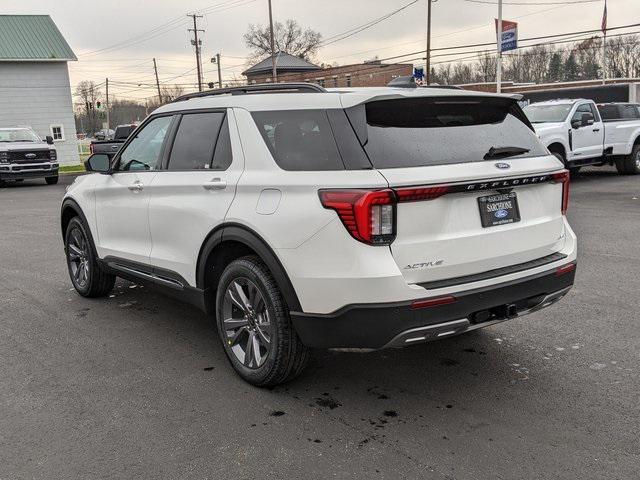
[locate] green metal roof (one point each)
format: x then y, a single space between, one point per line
32 38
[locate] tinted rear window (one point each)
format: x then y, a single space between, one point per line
195 141
443 130
299 139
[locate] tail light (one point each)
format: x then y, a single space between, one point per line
569 267
416 194
433 302
563 177
91 148
368 215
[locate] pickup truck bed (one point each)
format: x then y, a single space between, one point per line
111 147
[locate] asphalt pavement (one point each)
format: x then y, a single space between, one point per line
138 386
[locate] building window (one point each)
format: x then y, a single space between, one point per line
320 81
335 81
348 80
57 132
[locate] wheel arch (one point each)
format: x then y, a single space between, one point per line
228 242
558 147
68 210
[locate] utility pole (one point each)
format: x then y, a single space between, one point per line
107 103
155 69
499 59
195 42
219 70
274 72
427 73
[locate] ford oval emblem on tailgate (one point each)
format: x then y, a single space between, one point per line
502 166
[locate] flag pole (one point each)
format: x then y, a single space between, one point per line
604 44
499 59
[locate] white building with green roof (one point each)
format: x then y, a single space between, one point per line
34 80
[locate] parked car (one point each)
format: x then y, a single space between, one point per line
365 218
110 147
575 132
23 155
104 134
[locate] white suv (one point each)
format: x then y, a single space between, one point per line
348 218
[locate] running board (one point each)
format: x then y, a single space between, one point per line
145 273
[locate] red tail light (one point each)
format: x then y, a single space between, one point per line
91 148
368 215
415 194
564 178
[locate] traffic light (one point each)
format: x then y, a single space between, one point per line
98 104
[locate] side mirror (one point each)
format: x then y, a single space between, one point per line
587 119
98 162
49 139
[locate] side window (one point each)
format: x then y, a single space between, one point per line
630 112
585 108
222 157
143 153
193 147
299 139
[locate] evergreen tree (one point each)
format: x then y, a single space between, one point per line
571 69
555 68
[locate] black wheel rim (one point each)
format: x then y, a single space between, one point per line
246 323
78 257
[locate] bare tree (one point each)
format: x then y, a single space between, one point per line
486 67
289 37
88 94
169 94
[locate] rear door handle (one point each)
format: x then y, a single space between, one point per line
136 186
596 129
215 184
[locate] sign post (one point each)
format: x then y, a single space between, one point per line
506 39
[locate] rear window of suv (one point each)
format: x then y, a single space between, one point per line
414 132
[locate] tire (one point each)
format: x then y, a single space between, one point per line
252 316
51 180
87 277
630 165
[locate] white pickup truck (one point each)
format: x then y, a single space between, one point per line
580 133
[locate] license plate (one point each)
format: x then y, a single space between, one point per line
499 209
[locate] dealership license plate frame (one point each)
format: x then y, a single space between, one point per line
488 206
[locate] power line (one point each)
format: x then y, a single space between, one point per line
575 2
521 40
355 30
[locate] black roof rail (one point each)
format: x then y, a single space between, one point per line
293 87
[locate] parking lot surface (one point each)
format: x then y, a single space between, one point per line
138 386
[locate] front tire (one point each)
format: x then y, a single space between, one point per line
254 325
87 277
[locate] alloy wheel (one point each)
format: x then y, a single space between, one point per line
246 323
638 159
78 257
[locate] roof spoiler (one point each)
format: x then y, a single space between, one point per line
403 82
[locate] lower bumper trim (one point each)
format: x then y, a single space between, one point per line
375 326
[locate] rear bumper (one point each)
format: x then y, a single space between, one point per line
385 325
11 171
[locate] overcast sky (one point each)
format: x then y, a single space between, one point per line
143 29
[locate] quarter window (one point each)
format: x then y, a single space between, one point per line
143 152
195 143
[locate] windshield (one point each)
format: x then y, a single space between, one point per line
548 113
18 135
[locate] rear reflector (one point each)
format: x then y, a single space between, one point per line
569 267
433 302
564 178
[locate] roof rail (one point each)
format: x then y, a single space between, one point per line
293 87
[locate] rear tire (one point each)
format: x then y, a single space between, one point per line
254 325
51 180
630 165
87 276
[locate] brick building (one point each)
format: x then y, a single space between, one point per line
294 69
